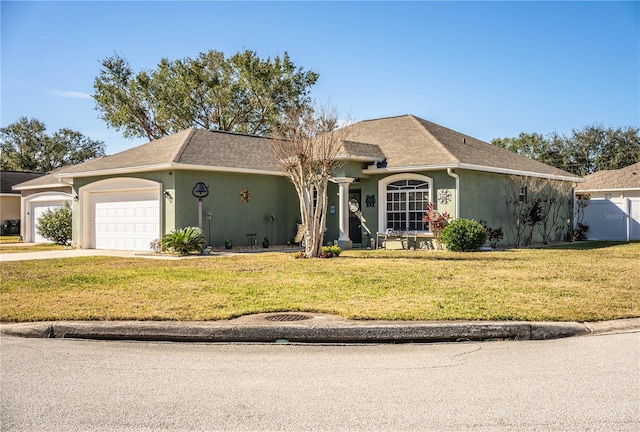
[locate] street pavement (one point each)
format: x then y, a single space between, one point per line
293 326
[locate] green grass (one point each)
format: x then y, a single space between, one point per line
9 247
578 282
9 239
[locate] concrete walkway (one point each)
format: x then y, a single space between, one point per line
310 328
72 253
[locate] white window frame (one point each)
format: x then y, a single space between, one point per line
382 196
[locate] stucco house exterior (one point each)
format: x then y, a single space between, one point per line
393 167
10 216
42 193
613 209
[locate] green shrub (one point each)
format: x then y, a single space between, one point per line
184 241
55 225
330 251
462 235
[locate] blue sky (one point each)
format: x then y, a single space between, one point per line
487 69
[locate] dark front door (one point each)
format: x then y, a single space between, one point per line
355 225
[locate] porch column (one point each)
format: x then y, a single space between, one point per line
343 211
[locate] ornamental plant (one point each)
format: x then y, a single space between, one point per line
464 235
184 241
330 251
55 224
437 221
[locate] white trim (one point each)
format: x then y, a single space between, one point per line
382 195
26 210
471 167
450 173
10 195
609 189
43 186
163 167
113 185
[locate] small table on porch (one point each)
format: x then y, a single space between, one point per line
251 240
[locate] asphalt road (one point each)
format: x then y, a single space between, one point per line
575 384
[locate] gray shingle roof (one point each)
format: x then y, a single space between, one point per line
48 180
408 141
8 179
623 178
405 142
191 147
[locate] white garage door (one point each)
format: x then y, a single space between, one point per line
124 220
634 229
37 210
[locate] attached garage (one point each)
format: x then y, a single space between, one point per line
34 206
121 214
613 209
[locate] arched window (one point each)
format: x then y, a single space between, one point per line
406 199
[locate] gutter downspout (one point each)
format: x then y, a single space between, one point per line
455 176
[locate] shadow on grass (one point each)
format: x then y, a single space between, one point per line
493 255
582 245
434 256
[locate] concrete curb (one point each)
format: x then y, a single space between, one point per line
316 328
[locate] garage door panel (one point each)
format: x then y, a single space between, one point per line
37 211
127 221
635 219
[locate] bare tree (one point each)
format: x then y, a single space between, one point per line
309 147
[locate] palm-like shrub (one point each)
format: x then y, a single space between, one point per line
463 235
184 241
55 225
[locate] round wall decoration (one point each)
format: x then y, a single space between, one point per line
444 196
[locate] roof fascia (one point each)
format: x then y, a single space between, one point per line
521 173
167 166
609 189
115 171
472 167
42 186
351 158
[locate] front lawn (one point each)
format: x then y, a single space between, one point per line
588 282
28 247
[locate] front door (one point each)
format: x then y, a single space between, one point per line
355 224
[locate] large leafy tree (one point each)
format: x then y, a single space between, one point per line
592 148
242 93
26 146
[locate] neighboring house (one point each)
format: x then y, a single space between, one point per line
10 199
39 195
393 168
613 209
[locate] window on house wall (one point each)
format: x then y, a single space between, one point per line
407 201
522 196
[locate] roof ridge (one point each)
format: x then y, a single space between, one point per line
184 145
381 118
429 134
